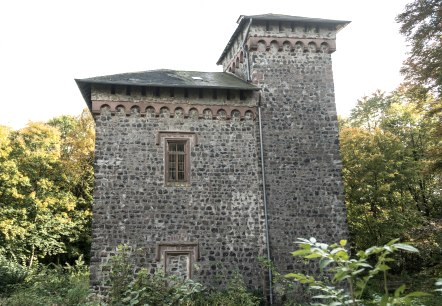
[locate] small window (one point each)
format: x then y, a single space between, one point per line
242 95
177 162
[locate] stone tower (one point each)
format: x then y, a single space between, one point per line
289 59
181 156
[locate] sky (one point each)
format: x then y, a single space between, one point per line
45 45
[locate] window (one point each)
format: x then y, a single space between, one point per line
177 146
177 161
178 257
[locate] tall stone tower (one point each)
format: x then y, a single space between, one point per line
289 59
202 172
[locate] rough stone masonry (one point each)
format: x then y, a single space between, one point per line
178 169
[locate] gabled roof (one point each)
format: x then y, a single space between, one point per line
166 78
243 19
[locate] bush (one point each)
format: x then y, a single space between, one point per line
11 274
52 285
235 294
345 279
143 288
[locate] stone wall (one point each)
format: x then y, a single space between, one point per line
292 65
301 150
216 221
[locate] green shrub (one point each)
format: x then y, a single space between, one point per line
235 294
345 279
143 288
11 274
53 285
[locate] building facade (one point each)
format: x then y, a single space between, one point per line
201 173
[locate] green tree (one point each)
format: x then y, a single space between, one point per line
77 157
46 182
384 146
421 24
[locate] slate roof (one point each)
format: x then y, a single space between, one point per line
244 19
166 78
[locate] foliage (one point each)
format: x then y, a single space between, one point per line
390 192
236 293
345 279
11 274
439 285
46 178
128 287
52 285
421 24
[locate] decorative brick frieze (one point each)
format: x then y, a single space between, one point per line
173 110
286 44
280 44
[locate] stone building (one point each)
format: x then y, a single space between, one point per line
203 172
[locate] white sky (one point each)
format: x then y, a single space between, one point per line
45 44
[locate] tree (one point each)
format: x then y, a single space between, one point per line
421 23
46 182
77 158
385 146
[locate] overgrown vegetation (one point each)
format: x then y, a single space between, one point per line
344 280
43 285
143 288
69 285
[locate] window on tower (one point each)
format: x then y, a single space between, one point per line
177 162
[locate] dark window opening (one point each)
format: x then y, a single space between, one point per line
177 161
113 89
143 91
156 91
267 26
280 26
186 93
292 25
228 96
128 90
200 93
171 92
214 94
242 95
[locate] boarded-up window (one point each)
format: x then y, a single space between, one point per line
178 264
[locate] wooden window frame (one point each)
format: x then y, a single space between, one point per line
167 177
